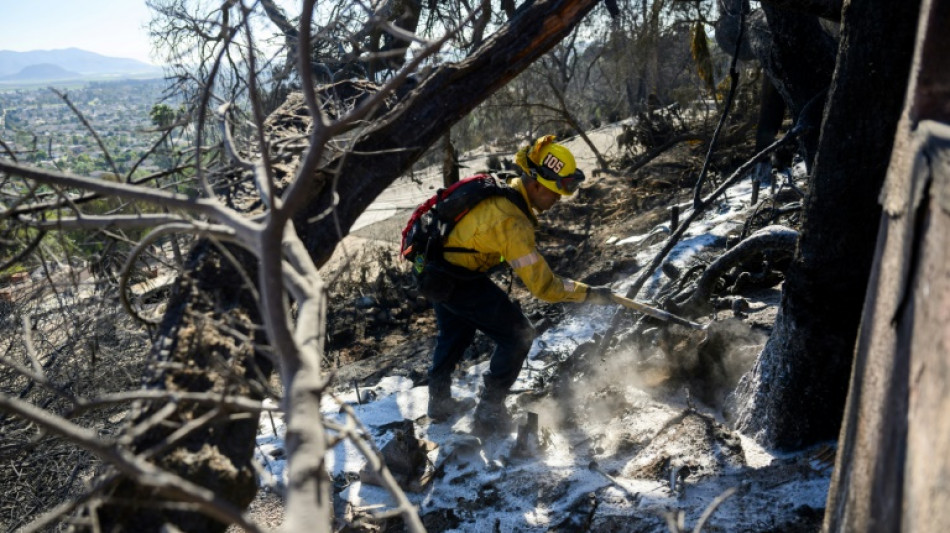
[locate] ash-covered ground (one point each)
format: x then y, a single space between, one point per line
631 437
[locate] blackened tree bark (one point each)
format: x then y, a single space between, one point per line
892 463
216 455
826 9
213 290
795 394
793 49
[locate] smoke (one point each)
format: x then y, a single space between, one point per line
744 344
711 364
657 362
593 389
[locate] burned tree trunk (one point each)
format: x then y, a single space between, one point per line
893 457
193 354
800 62
795 52
795 394
770 239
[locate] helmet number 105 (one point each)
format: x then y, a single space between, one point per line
553 163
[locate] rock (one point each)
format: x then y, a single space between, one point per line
367 396
406 458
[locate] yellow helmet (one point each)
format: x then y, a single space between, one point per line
551 164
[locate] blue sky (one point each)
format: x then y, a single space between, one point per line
109 27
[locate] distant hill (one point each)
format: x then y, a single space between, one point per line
42 72
85 64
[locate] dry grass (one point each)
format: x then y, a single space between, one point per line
80 348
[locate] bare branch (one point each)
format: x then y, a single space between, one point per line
54 514
242 228
151 421
238 403
228 35
708 512
30 350
279 18
7 149
88 222
36 376
229 146
38 207
374 457
258 111
25 252
194 227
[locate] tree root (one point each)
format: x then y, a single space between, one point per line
768 239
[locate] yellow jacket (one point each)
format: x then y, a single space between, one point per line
500 231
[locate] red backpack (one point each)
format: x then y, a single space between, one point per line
431 222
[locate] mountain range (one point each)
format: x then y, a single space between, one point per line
69 63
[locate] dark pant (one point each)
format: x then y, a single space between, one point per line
479 304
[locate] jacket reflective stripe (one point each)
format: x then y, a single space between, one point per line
497 228
526 260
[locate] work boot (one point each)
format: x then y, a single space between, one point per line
491 415
442 406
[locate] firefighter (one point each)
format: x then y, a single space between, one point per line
499 231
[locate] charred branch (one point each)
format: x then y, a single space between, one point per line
660 150
778 239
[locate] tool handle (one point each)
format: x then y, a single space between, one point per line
657 313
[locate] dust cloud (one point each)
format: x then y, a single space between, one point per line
659 363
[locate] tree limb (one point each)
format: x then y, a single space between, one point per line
659 150
770 238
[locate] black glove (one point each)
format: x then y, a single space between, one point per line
599 296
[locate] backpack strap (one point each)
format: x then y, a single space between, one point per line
503 190
447 209
516 198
